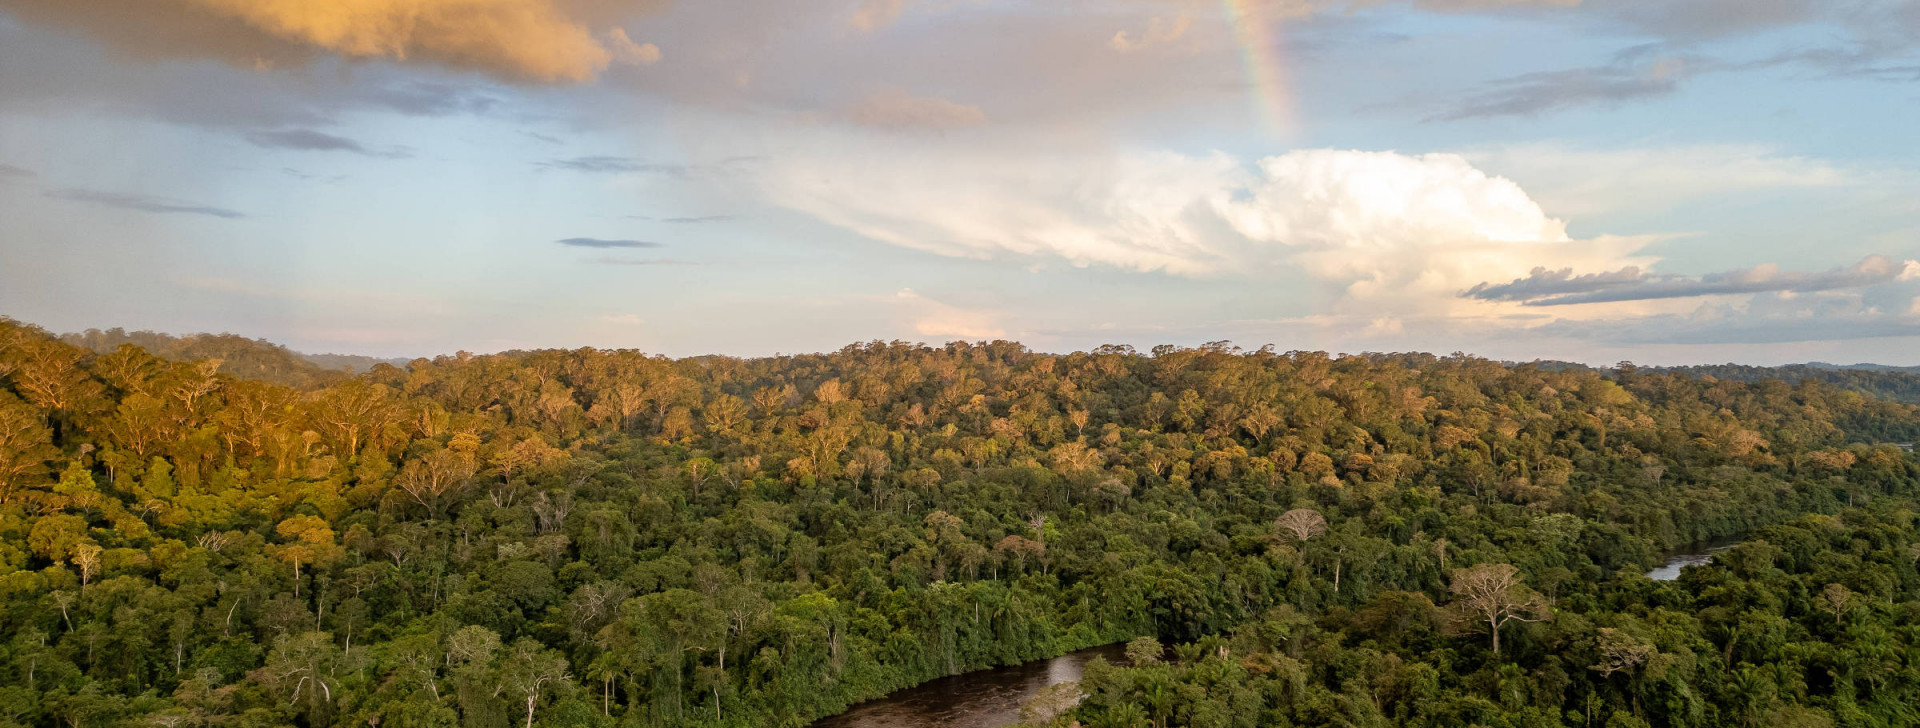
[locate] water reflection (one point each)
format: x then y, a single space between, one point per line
983 699
1699 555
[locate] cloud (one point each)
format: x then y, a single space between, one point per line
142 203
600 243
625 319
426 98
898 110
1379 230
605 164
873 15
1632 78
8 170
1771 318
1716 18
1580 181
939 319
1160 31
547 41
308 140
1543 287
628 52
1872 62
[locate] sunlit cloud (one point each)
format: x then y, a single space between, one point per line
547 41
872 15
939 319
1379 229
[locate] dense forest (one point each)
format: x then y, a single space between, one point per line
605 538
1900 384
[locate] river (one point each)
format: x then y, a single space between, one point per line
992 698
979 699
1696 555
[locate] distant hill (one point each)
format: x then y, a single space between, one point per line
1864 367
240 356
1897 384
353 363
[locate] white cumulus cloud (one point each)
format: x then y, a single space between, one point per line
1382 230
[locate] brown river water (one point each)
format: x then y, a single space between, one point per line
981 699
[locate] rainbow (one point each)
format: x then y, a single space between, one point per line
1260 51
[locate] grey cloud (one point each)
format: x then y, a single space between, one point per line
314 141
604 164
1725 326
142 203
1632 77
1542 283
1562 288
1717 18
426 98
8 170
600 243
1873 63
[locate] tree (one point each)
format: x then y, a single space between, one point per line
1620 651
1301 523
531 671
303 666
1144 651
25 446
434 478
1493 594
310 541
86 557
1837 599
656 631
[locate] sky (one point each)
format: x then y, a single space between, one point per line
1590 180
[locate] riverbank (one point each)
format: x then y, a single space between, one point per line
980 699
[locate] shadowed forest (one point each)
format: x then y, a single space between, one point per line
605 538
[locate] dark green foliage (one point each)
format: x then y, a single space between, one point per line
1819 633
605 538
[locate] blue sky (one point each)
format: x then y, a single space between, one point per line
1707 181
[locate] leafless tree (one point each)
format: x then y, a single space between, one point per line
1494 594
1303 523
